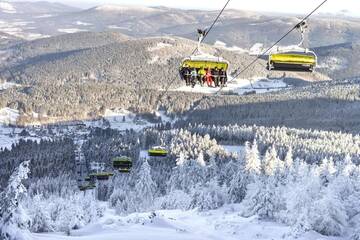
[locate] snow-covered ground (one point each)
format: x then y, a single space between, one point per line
20 29
159 46
119 27
80 23
7 85
6 7
122 119
10 136
70 30
44 16
222 45
8 115
124 8
334 63
234 149
241 86
222 224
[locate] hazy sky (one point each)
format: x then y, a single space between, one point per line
351 7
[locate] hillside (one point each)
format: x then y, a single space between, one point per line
146 61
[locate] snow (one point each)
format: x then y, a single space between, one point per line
154 59
238 149
8 115
240 86
164 117
118 27
115 118
7 85
334 63
20 29
124 8
10 136
159 46
7 8
224 223
222 45
44 16
80 23
70 30
257 49
207 57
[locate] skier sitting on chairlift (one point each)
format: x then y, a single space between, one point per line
186 75
201 77
216 77
194 76
209 78
223 77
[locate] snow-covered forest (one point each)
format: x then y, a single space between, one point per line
308 180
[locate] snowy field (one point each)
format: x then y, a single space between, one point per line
9 136
7 85
8 115
6 7
239 150
222 224
241 86
334 64
70 30
222 45
21 29
122 119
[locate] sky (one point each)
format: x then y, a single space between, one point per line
349 7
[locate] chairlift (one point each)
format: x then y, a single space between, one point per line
201 61
158 151
293 58
123 164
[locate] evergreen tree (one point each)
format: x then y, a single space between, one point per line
13 219
289 159
41 220
271 161
145 188
208 196
252 159
245 174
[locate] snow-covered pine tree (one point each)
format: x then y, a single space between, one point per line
245 174
327 170
40 217
329 215
14 222
271 161
300 198
289 160
264 193
145 188
209 196
252 159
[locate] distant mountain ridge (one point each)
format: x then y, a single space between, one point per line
236 28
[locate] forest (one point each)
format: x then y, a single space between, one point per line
307 179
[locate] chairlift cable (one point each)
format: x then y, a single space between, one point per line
213 24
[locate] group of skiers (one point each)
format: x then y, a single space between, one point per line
212 77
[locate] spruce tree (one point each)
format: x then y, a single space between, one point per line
13 219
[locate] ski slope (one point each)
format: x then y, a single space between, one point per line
222 224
